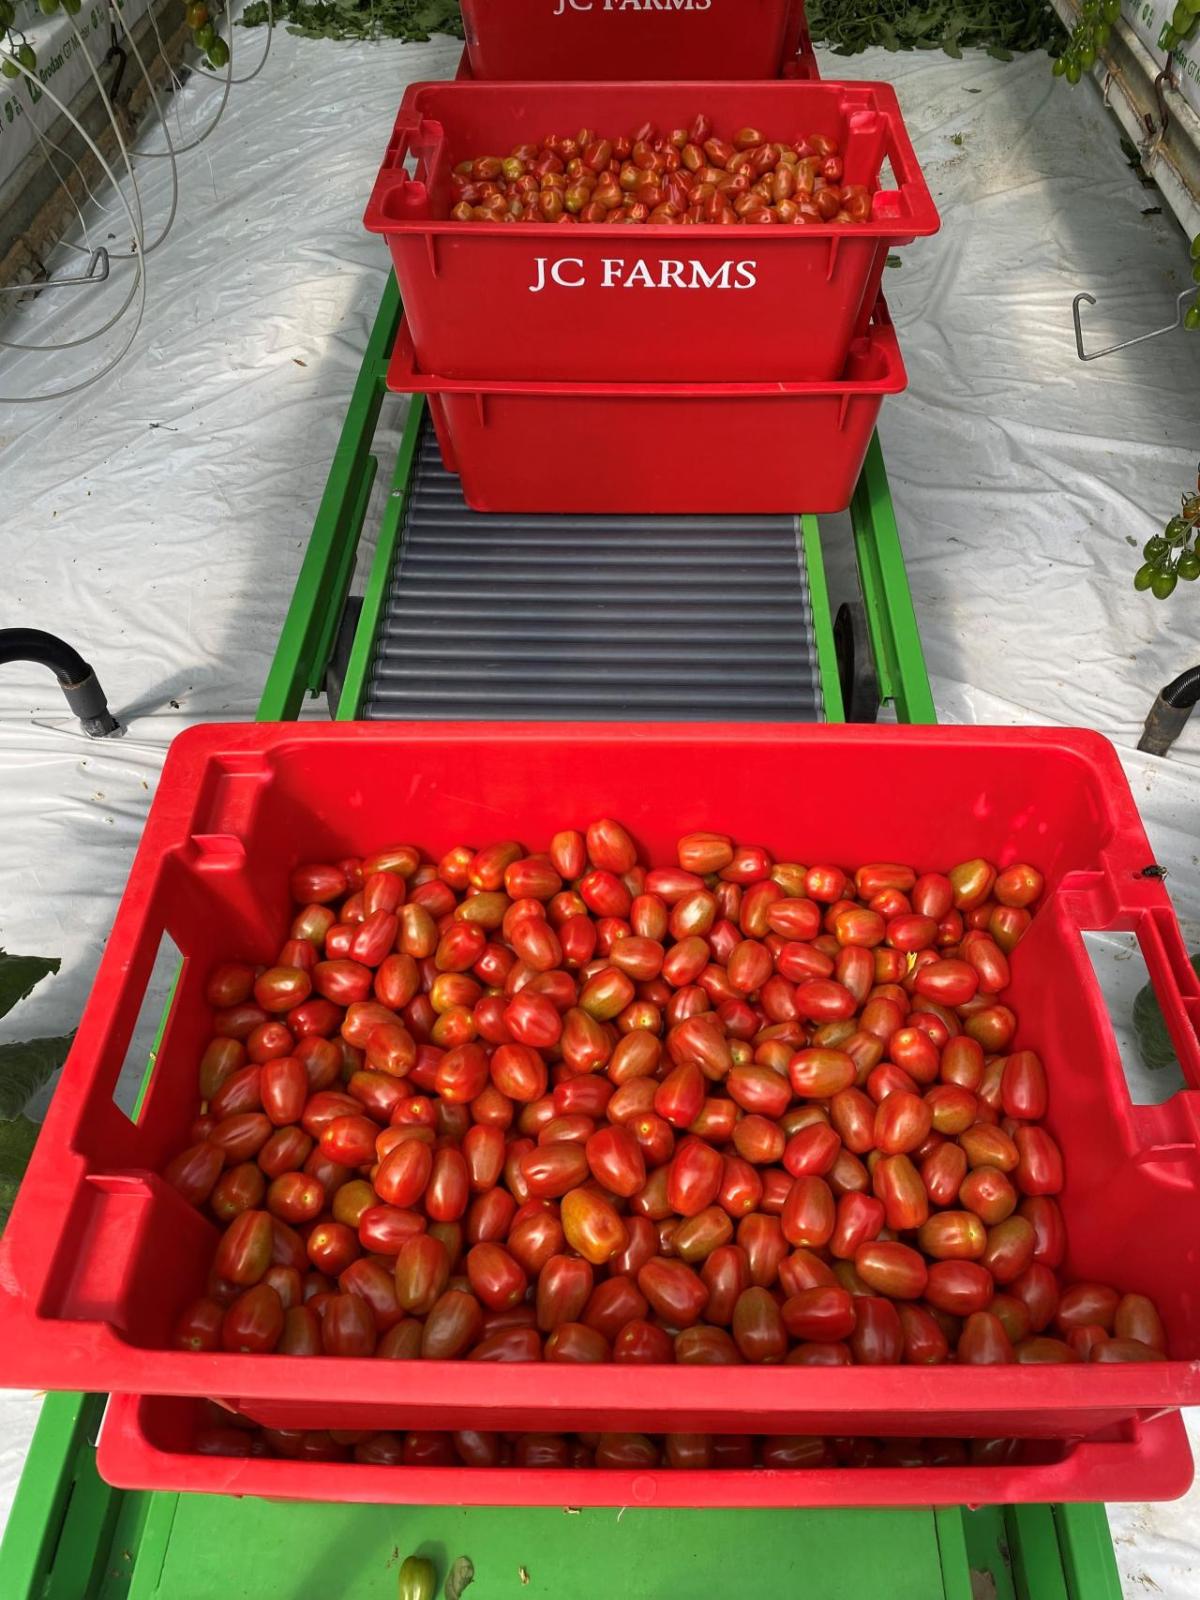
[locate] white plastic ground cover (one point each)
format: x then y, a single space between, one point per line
160 519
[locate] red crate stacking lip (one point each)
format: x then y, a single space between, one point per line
551 39
817 434
611 303
101 1254
800 64
147 1443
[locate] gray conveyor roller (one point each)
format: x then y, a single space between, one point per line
591 618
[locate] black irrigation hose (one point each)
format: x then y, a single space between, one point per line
1170 712
78 682
1183 692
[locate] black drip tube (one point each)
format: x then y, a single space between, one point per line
1170 712
78 682
1183 692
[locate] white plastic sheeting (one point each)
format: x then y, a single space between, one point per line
159 519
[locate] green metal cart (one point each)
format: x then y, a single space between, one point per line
637 619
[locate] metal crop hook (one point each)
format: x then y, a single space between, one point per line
96 271
1180 299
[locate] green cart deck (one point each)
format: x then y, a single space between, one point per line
71 1537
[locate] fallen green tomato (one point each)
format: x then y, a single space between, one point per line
418 1579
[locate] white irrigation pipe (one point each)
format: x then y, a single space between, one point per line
46 144
183 149
169 152
139 283
81 44
137 224
138 246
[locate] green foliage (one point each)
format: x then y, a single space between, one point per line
1175 552
19 974
17 1139
361 19
1001 27
25 1067
1090 35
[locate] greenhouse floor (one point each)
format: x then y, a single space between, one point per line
158 519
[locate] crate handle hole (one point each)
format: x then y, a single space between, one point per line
154 1013
1153 1073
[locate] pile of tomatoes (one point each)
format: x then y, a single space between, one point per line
683 176
556 1106
219 1433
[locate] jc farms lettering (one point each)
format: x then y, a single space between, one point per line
570 272
561 7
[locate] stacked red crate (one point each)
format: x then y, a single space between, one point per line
101 1253
597 331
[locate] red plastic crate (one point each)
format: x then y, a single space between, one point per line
554 39
803 64
147 1443
100 1254
648 304
818 433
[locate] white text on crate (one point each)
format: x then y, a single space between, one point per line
571 272
563 6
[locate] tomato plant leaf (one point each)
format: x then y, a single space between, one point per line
19 974
360 19
1001 27
17 1139
26 1067
844 25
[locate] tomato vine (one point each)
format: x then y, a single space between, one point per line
1174 553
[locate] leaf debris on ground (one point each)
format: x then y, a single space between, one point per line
1001 27
411 20
460 1577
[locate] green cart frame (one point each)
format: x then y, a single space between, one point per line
71 1537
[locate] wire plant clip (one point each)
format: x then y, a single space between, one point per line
1094 355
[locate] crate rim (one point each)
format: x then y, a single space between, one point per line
41 1352
923 221
405 376
1158 1458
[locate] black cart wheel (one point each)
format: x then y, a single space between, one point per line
856 663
